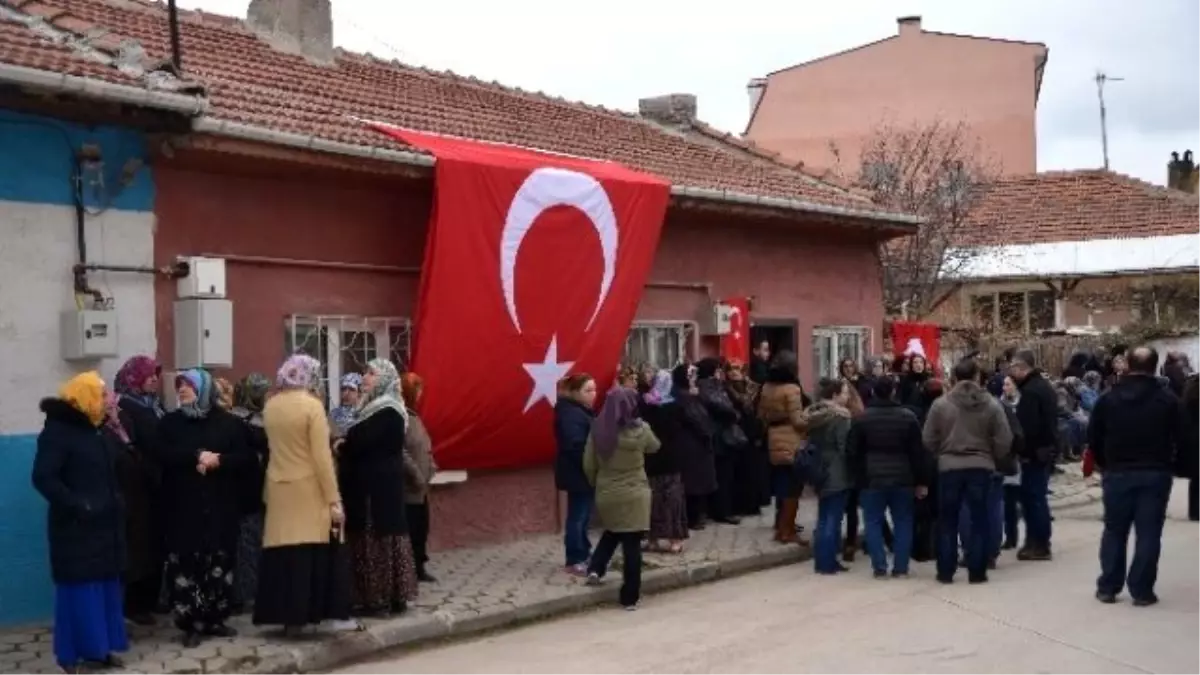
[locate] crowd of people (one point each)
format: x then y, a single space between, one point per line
941 469
246 498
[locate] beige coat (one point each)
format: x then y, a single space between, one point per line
301 483
781 409
622 491
419 466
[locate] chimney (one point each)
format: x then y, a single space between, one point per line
1182 173
909 25
755 88
303 27
673 110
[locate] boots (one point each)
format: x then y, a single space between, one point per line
850 548
785 521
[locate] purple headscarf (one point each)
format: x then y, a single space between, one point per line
620 412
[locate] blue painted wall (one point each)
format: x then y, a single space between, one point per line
36 156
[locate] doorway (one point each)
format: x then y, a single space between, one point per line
779 334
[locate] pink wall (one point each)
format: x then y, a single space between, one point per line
912 77
227 205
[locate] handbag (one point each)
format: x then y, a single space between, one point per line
810 466
1089 462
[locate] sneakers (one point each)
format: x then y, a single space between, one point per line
576 570
594 579
1034 555
1145 602
630 608
1106 598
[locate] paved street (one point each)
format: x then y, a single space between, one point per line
1032 617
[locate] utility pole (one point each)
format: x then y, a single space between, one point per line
1101 78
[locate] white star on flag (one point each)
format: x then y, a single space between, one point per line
545 376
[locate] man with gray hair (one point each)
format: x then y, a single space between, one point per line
1037 411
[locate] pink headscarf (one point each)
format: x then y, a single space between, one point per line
131 378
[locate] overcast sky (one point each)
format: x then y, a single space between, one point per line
636 48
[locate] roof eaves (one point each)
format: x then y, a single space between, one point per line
101 90
264 135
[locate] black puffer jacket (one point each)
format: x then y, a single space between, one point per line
666 421
1038 412
1136 425
885 447
75 470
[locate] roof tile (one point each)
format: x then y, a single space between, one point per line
249 82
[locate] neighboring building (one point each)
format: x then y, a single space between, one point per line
837 102
322 223
1078 250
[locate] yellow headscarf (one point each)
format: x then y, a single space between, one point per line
85 393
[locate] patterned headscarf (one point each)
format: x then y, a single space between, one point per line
201 382
351 381
131 380
223 391
299 371
85 393
112 416
620 412
660 389
251 393
384 393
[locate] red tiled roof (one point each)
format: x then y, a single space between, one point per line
250 83
1077 206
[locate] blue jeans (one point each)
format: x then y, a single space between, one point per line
898 501
830 509
1035 504
995 510
575 530
1138 500
956 489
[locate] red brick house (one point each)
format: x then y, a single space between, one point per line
322 223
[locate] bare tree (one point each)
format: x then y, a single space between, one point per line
937 171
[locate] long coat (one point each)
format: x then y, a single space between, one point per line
75 470
202 510
301 483
140 477
372 473
695 446
622 490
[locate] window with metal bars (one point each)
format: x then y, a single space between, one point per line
345 344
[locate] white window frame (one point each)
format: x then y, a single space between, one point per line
335 326
995 293
834 357
688 337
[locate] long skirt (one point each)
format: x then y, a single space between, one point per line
248 554
303 584
89 622
385 572
668 508
200 588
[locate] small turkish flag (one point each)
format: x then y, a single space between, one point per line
534 267
735 346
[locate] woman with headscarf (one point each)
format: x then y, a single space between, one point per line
729 441
695 446
1077 365
372 468
342 416
139 412
204 456
614 462
668 500
419 469
1089 393
223 393
751 470
303 579
75 471
249 397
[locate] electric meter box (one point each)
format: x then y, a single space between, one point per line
203 333
205 279
88 334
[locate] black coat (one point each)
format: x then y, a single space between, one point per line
1188 463
912 388
572 425
202 510
254 476
666 421
724 415
75 470
695 446
1136 425
885 447
371 464
140 476
1038 412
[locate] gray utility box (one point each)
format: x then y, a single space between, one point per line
203 333
88 334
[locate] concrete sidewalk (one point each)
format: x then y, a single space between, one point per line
479 589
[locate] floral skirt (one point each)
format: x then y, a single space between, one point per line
668 508
200 588
385 573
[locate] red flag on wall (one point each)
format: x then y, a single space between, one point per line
735 345
534 267
909 338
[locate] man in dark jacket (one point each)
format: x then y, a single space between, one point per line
886 453
1134 436
1038 414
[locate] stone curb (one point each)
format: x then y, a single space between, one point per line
323 654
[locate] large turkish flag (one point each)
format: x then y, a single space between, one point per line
534 266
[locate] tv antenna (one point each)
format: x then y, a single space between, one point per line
1101 79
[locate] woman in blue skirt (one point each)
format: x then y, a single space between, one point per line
75 470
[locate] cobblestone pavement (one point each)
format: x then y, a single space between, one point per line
478 589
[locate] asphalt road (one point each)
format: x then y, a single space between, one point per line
1032 617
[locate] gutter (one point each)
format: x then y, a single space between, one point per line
258 134
90 88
